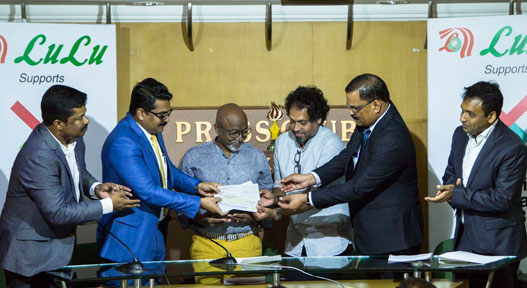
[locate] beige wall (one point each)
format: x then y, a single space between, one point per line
231 64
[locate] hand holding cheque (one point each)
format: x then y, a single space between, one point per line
296 202
290 204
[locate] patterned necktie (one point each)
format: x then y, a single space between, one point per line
158 153
164 211
365 136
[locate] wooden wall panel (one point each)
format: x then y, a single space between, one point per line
231 64
383 48
419 135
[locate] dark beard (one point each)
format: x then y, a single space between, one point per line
301 141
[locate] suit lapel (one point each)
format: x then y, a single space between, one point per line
353 145
164 150
356 139
145 143
390 114
459 154
80 166
54 145
487 148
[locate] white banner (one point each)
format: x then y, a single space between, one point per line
34 57
461 52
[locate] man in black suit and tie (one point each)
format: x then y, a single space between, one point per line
45 198
379 165
483 182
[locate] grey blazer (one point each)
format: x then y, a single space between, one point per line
37 226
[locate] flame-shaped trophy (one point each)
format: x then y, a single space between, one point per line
275 113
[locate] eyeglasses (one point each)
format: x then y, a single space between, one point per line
356 110
163 116
233 134
298 168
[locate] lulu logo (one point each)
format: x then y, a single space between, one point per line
502 39
454 43
3 49
35 52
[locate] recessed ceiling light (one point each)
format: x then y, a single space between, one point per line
392 2
148 3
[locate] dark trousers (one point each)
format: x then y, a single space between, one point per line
41 280
505 277
297 276
409 251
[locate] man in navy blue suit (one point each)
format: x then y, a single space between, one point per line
134 155
483 183
379 165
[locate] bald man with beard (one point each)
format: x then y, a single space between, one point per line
229 161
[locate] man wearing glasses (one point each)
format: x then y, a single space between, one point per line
134 155
379 165
306 146
229 161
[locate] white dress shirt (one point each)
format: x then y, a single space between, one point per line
322 232
69 153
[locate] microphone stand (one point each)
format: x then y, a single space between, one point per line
222 263
135 267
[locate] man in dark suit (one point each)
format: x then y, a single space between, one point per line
483 182
379 165
45 199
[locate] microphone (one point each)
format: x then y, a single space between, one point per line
135 267
221 262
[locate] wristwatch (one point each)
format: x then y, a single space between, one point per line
278 214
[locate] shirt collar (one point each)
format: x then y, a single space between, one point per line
374 124
65 148
147 135
485 134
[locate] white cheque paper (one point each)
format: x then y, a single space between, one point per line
242 197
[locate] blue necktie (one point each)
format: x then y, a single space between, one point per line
365 136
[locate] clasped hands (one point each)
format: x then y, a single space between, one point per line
444 192
119 194
291 204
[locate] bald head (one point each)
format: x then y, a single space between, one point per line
232 128
231 114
